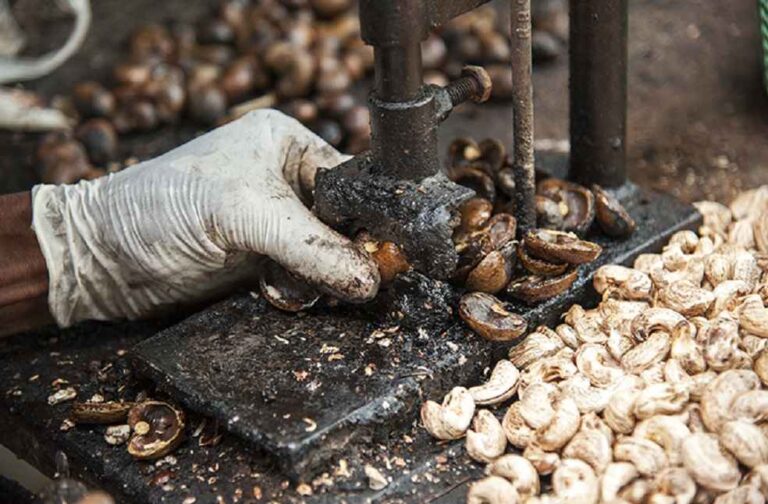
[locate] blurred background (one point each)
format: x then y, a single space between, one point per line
697 106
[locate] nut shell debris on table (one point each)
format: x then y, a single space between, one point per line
578 201
611 215
533 289
158 428
285 291
560 247
486 315
100 413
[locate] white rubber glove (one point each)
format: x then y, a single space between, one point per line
186 226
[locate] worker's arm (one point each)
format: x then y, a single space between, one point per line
190 225
23 276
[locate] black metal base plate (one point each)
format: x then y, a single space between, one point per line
303 387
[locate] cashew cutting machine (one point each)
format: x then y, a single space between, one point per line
306 389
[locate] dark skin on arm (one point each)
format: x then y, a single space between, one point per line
23 274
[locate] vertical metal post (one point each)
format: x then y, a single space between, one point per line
403 118
598 90
522 107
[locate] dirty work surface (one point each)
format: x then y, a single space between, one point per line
304 387
92 359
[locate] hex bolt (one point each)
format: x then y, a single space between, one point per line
474 84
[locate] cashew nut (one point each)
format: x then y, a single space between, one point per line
492 490
451 419
519 471
500 386
486 440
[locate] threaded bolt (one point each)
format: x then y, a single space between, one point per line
474 84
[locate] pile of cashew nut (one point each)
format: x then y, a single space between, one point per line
658 395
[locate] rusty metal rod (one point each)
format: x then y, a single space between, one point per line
598 89
522 107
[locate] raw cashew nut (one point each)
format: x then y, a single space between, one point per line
657 319
500 386
636 492
617 475
563 426
745 441
518 433
716 217
753 316
761 366
619 343
745 494
726 294
709 464
744 267
486 440
537 345
758 477
717 268
698 384
592 445
675 482
751 406
586 323
586 397
669 432
721 347
492 490
686 298
661 399
651 351
648 457
552 369
596 363
720 394
518 471
451 419
688 353
618 314
545 462
630 283
575 482
536 404
568 335
674 373
620 412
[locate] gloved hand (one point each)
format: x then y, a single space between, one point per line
188 226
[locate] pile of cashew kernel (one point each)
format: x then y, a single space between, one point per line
659 395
